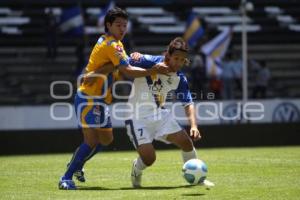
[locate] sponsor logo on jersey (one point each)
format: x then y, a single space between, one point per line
119 48
156 86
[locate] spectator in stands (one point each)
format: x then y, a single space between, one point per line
198 75
231 75
215 86
262 77
51 31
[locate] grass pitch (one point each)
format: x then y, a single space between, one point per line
239 173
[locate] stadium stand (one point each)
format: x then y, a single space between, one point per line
26 72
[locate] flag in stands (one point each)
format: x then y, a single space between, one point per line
215 51
109 6
194 30
71 21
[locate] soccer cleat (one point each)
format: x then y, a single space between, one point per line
66 185
136 178
208 184
79 175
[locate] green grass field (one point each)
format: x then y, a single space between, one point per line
239 173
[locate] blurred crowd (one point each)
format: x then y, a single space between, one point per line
228 85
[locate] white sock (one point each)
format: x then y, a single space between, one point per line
140 165
188 155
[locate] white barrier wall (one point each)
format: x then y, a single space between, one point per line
62 115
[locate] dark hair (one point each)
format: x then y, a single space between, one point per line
112 14
177 44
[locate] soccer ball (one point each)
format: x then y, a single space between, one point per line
194 171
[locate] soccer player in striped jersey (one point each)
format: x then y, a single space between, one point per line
92 99
150 120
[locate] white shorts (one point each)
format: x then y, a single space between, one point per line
147 129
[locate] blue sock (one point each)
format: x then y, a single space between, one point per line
94 151
78 160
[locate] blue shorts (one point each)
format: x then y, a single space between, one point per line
92 113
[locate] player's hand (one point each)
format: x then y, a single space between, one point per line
161 68
136 56
195 134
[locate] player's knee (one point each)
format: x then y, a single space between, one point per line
90 137
105 137
106 140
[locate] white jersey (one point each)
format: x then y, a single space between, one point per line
150 120
149 94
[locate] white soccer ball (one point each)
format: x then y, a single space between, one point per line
194 171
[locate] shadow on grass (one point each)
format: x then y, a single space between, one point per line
93 188
156 187
130 188
193 194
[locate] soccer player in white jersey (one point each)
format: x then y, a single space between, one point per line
149 120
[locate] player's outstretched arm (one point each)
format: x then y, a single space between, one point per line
89 78
128 71
145 66
135 72
191 115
